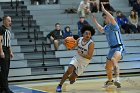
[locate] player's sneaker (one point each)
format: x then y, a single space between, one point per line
108 83
117 84
58 88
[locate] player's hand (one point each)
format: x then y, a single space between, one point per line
79 52
82 6
103 8
2 55
93 18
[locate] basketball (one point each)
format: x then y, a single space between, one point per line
69 42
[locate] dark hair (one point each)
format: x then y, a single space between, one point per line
67 27
133 16
122 15
118 12
89 28
57 24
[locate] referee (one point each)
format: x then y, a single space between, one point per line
5 54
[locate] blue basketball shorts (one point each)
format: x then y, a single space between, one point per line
113 50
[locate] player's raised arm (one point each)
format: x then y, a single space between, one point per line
108 15
99 27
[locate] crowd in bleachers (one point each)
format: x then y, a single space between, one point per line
128 24
136 5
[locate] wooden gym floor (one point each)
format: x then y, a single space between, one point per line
130 84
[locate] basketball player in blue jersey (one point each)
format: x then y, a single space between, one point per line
114 39
85 49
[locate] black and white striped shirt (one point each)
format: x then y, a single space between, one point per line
6 36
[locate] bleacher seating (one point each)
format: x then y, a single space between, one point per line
27 64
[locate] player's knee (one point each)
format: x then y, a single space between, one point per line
55 41
73 76
113 59
116 57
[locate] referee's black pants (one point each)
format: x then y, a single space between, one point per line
4 69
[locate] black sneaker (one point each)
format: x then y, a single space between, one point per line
117 84
108 83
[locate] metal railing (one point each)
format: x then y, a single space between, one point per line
17 5
35 39
22 17
12 4
44 50
29 26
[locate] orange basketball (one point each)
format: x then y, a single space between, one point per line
69 42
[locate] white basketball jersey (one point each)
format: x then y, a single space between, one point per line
83 48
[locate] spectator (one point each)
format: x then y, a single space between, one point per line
122 21
54 1
56 36
93 6
107 5
71 10
67 32
37 2
136 7
133 20
132 2
80 24
84 8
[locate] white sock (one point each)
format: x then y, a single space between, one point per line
117 79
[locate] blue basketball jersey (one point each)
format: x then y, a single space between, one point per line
113 34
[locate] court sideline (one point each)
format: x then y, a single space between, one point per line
130 84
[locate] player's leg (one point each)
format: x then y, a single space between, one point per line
109 67
69 71
73 77
115 59
80 68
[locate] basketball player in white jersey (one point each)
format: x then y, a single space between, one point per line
85 49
